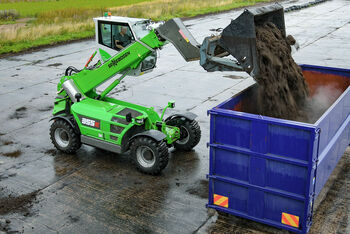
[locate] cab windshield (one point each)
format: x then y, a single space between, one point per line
140 29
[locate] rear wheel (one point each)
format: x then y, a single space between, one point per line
149 156
64 137
190 133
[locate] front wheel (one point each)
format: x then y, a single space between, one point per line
64 137
190 133
149 156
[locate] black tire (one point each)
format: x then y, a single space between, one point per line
190 133
64 137
149 156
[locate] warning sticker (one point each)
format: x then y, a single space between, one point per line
291 220
220 200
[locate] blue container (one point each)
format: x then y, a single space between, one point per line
271 170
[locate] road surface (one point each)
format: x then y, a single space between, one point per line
96 191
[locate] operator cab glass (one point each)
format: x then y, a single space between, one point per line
116 36
140 28
119 35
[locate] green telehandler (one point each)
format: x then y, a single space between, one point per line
127 47
82 115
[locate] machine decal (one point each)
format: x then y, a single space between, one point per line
220 200
291 220
86 121
115 62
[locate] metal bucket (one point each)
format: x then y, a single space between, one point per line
239 37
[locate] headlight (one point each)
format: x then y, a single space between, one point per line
139 121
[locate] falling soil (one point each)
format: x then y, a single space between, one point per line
13 154
21 203
282 87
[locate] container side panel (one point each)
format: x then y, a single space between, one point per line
330 156
232 131
289 142
237 195
257 171
256 203
287 177
335 116
230 164
276 205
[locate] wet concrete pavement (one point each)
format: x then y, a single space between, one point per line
96 191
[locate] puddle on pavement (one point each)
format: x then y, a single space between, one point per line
199 189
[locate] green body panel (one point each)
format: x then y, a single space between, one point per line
104 55
97 115
104 111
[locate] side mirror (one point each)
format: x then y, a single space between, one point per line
77 96
128 117
171 104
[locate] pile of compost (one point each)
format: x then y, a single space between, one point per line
282 91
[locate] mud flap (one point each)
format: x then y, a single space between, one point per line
154 134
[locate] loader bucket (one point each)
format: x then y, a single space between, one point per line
239 38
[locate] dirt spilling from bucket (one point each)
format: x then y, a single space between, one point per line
282 87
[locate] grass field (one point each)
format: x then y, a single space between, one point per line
53 21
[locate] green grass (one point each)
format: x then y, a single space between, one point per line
11 47
66 20
33 8
3 22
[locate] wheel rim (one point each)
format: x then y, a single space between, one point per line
184 136
145 156
62 137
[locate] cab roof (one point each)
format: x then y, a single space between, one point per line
119 19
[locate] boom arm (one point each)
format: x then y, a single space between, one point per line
237 39
129 58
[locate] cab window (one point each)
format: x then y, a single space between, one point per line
115 35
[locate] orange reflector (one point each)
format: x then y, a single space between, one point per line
220 200
291 220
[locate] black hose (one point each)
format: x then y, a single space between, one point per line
70 70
